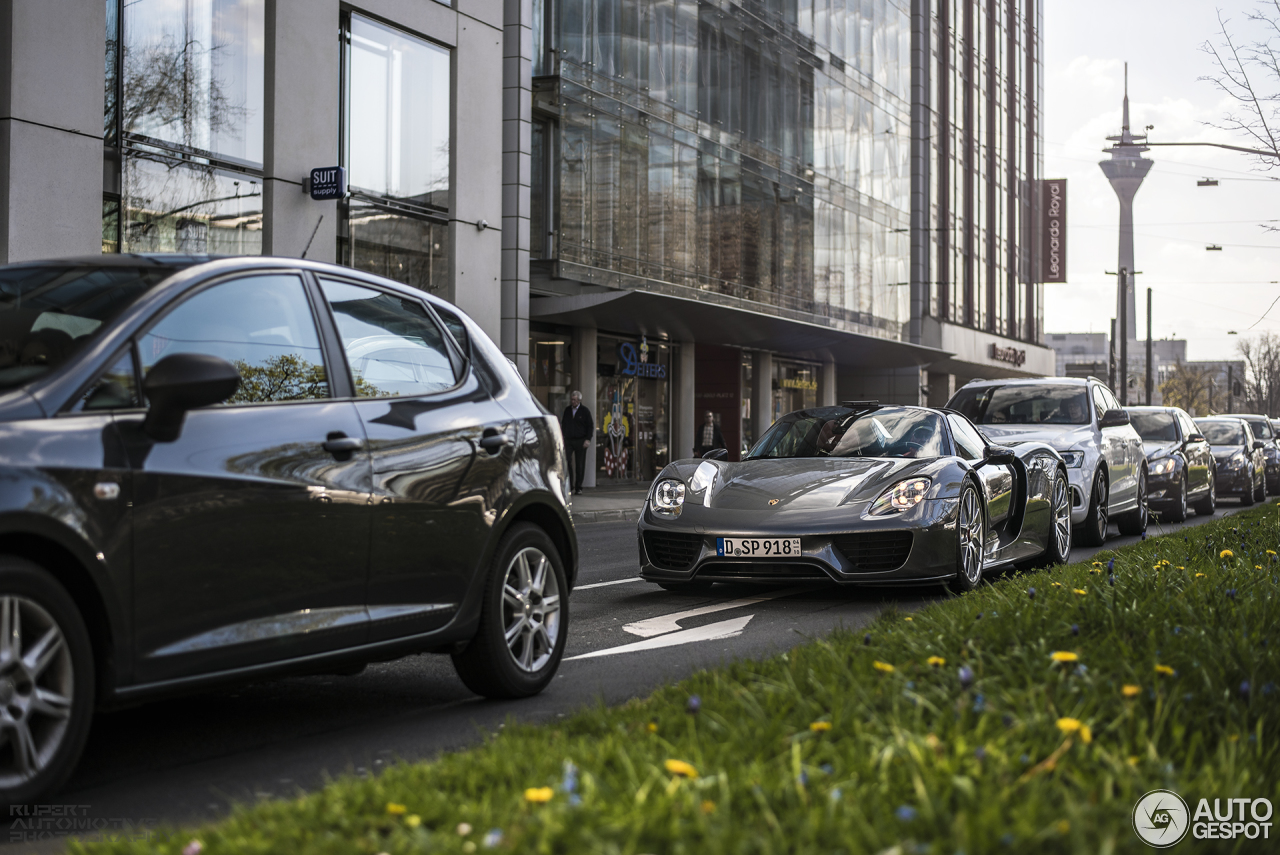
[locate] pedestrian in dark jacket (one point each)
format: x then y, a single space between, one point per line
578 429
709 436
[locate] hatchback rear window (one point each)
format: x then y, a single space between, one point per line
48 312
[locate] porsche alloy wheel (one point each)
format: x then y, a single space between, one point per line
969 541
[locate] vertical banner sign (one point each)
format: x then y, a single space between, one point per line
1053 240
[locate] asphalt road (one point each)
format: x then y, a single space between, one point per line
188 759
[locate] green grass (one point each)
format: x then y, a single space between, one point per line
924 758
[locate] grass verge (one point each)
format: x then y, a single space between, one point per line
1028 716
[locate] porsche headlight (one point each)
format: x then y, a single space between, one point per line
1074 459
667 498
902 496
1164 467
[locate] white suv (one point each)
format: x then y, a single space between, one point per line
1084 422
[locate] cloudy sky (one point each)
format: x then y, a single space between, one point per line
1198 295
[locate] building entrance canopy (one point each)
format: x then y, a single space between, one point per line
680 319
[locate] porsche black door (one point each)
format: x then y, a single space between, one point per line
440 451
251 530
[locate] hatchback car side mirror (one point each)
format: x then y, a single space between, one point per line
1195 437
1257 443
716 454
181 382
998 454
1113 418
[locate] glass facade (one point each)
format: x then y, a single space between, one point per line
762 150
183 126
395 144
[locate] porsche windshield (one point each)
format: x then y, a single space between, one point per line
49 311
1024 404
841 432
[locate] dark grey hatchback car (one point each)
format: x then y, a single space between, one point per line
213 470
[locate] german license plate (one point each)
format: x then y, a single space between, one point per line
757 547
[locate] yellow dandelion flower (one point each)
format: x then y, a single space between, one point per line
1068 725
679 767
413 820
708 806
1133 761
1097 564
1257 567
652 727
1164 562
1164 670
1081 591
1130 691
1199 575
882 666
1226 553
1086 734
1064 656
1271 552
1235 737
908 618
538 795
1180 567
820 726
395 809
1056 584
936 661
1063 826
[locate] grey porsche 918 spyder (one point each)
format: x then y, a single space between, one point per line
858 494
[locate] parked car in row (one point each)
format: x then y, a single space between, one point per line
1083 421
1180 462
215 470
1241 464
1262 430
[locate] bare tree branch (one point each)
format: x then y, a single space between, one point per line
1249 74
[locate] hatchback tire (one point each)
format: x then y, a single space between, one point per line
1249 496
1178 513
524 619
1206 506
1260 493
1135 521
1093 531
46 682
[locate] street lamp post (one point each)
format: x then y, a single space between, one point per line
1148 347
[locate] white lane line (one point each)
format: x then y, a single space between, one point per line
670 623
711 632
602 584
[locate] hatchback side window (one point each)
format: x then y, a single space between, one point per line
1099 401
1112 403
456 328
262 325
969 444
392 345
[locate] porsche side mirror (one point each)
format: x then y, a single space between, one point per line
1113 418
716 454
998 454
181 382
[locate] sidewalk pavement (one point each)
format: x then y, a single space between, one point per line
608 502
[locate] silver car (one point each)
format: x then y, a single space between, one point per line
1082 419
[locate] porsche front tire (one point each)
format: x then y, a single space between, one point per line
970 541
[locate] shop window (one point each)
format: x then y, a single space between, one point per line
395 145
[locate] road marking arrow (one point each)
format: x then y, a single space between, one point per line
711 632
670 623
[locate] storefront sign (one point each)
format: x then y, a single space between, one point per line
1011 355
799 383
328 182
630 364
1053 238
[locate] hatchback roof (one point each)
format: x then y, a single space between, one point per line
1029 381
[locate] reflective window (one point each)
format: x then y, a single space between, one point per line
1223 432
408 249
1261 428
841 432
116 389
1154 427
260 324
393 346
969 444
170 206
1048 403
1100 402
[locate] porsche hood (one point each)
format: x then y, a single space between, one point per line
790 484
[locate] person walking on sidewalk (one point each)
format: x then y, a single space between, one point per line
578 429
709 436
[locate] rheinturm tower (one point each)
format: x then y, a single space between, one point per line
1125 170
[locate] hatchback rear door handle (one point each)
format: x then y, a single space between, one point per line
339 444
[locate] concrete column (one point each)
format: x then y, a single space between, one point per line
827 384
761 391
300 126
517 129
584 381
941 387
51 56
686 415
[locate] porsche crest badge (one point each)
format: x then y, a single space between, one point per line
774 501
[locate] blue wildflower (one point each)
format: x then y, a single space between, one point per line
575 799
694 705
836 794
1268 688
979 702
1244 688
570 782
979 617
827 768
980 753
493 838
1111 580
1006 839
1075 629
966 676
1231 592
1025 759
866 639
1031 592
1007 720
906 813
1111 565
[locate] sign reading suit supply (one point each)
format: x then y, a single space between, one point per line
328 182
1053 239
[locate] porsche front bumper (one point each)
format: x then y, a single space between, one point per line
913 547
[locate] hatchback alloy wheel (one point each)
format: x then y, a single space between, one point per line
37 686
531 609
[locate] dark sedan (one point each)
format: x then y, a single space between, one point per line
1241 467
1262 430
858 494
1180 464
220 469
